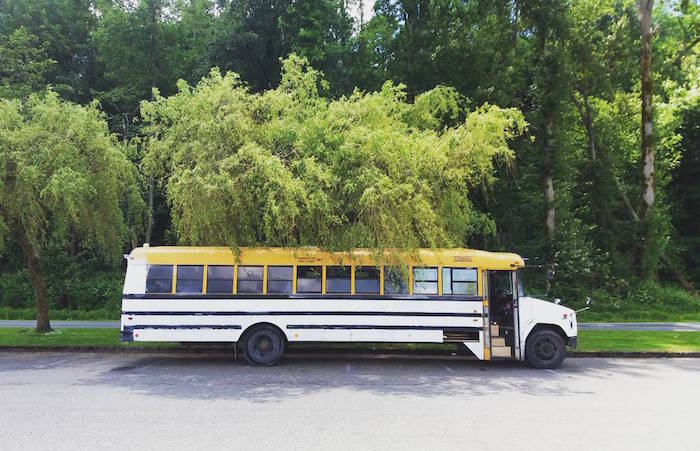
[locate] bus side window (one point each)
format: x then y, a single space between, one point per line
159 279
219 279
395 280
308 279
459 281
366 280
250 279
425 281
189 279
279 279
337 279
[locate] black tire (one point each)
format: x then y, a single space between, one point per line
263 346
545 349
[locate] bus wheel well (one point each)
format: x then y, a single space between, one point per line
252 327
553 327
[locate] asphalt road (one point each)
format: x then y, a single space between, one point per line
199 401
674 327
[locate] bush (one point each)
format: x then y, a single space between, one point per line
61 315
95 291
16 290
87 291
649 301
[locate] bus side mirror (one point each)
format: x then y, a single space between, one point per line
589 301
557 301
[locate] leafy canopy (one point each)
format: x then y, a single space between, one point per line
287 167
63 176
23 64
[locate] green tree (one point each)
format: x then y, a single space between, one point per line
149 44
133 45
471 46
547 20
288 167
24 66
62 176
321 32
258 33
64 29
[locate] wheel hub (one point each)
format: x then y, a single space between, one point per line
263 345
545 349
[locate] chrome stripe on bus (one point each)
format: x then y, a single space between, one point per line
369 326
299 313
184 326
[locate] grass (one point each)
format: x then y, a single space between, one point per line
88 338
589 341
634 341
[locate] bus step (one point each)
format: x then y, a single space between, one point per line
498 341
500 351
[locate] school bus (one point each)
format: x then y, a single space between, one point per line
261 299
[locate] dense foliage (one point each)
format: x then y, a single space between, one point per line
65 184
289 167
407 128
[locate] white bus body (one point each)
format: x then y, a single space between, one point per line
335 318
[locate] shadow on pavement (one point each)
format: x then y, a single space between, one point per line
204 375
219 377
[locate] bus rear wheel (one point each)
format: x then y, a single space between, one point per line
263 346
545 349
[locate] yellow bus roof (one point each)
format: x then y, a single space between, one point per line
194 255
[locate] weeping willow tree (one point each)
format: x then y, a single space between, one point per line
63 179
288 167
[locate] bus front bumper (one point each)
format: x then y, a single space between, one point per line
127 334
573 342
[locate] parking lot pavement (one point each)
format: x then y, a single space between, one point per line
172 401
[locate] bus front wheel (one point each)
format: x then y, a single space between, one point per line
545 349
263 346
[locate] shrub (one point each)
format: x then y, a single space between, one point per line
61 315
648 301
86 291
16 290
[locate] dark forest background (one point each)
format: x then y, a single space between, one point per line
571 201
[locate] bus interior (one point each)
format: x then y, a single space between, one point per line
502 305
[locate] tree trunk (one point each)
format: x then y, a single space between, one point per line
361 6
598 207
149 217
584 111
550 223
37 278
680 277
644 8
678 274
647 264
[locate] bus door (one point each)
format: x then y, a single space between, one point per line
503 312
